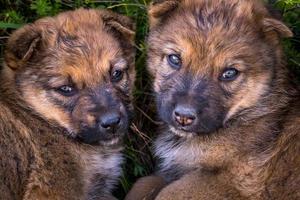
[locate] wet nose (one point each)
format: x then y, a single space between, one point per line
110 120
184 115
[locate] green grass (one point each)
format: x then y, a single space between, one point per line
139 161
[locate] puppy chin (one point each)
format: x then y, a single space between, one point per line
181 133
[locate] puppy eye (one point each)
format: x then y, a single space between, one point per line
117 75
66 90
174 61
229 74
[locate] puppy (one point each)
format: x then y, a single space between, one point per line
230 108
65 103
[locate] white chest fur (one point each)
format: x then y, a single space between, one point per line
106 167
185 155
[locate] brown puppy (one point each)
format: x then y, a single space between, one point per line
65 94
231 111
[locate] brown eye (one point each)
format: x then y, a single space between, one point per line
66 90
117 75
229 74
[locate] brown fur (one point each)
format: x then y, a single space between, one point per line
43 152
245 143
146 188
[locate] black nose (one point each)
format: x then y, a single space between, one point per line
110 120
184 115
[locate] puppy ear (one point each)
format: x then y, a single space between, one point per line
28 41
120 24
160 8
274 27
21 46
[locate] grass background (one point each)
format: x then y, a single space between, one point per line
139 162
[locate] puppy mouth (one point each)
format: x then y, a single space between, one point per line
93 137
182 133
111 142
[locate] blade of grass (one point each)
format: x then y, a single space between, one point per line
5 25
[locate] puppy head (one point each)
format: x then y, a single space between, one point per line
212 61
77 70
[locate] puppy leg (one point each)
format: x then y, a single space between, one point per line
199 186
146 188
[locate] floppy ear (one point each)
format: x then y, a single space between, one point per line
159 8
21 46
122 25
275 29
